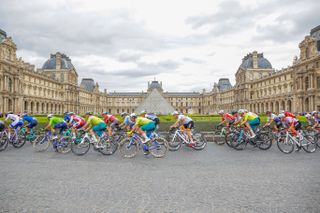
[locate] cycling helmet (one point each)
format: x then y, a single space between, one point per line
65 113
133 115
308 116
49 116
233 112
241 111
105 113
88 113
71 113
175 113
221 111
268 111
314 112
124 114
281 115
245 110
143 112
24 114
9 113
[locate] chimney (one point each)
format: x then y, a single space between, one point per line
255 59
58 61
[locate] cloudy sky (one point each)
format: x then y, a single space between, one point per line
188 45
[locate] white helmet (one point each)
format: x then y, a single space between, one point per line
241 111
281 115
143 112
314 112
49 116
175 113
245 110
221 111
308 116
133 115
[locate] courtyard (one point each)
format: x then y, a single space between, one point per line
217 179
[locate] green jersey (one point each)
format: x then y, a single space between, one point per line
55 120
93 120
140 121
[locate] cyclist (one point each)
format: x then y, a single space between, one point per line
127 123
54 124
185 123
287 114
293 124
95 126
249 120
16 121
316 118
152 117
226 119
273 118
143 126
109 118
31 121
2 126
76 122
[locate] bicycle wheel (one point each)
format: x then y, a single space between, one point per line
263 141
3 142
175 143
65 145
200 142
159 147
19 140
317 139
109 147
41 143
285 146
80 147
308 144
128 149
228 139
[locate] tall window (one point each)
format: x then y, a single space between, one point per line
318 82
9 85
307 82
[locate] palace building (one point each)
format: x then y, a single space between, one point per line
54 88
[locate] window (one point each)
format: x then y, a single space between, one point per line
9 85
318 82
307 83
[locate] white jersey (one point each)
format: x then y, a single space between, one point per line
13 117
271 117
185 118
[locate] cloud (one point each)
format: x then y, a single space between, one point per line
194 60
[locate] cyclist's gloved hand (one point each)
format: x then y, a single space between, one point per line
130 133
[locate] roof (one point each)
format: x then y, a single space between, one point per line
224 84
3 35
182 94
127 94
50 64
87 84
263 63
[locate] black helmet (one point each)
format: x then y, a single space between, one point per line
233 112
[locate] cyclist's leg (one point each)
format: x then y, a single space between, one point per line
188 128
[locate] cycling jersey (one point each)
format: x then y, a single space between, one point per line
54 121
109 118
228 117
1 126
16 122
66 118
271 117
77 121
32 122
127 121
93 120
249 116
140 121
289 114
290 120
185 119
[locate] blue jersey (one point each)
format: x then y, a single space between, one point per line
127 121
28 118
66 118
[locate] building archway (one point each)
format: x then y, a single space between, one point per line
10 105
289 106
306 105
277 107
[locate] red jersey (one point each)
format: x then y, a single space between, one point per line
227 116
289 114
77 119
109 118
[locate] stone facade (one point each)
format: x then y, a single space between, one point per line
54 88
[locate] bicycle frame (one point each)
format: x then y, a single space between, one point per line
181 136
293 138
137 137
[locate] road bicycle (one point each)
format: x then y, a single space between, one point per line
82 143
130 146
13 138
178 137
240 137
287 143
62 145
28 137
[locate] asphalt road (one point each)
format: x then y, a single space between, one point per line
217 179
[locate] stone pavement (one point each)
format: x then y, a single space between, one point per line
217 179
